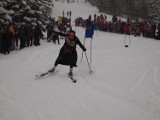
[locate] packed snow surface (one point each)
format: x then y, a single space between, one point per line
125 84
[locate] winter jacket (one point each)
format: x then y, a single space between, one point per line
68 53
11 30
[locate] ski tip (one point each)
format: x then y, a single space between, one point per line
74 81
126 46
37 76
91 72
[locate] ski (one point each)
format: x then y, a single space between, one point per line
46 73
126 46
52 70
43 74
72 78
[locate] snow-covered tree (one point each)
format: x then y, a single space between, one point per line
154 9
146 9
25 10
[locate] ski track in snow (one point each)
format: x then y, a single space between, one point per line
35 103
152 65
156 76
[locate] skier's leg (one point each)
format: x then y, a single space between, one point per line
52 69
71 70
58 40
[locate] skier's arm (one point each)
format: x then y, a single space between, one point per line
80 44
60 33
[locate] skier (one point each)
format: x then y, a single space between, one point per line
68 53
6 41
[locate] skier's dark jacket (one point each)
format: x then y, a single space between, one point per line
68 54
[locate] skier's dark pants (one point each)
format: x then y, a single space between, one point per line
67 59
55 37
22 42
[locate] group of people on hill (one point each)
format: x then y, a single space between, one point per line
145 28
13 36
68 13
18 36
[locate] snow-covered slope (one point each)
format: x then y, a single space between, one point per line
125 84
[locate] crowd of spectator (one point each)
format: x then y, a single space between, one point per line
116 25
15 36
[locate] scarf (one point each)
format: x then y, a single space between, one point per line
69 42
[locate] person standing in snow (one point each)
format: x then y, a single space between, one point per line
6 41
63 13
68 53
37 34
70 13
55 36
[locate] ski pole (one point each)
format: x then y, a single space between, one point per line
81 57
91 51
130 39
124 39
88 64
82 51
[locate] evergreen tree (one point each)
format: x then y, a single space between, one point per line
25 10
146 9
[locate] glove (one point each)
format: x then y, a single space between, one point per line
84 49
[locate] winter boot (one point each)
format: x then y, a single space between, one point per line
52 69
71 72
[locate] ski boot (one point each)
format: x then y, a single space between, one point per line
52 70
